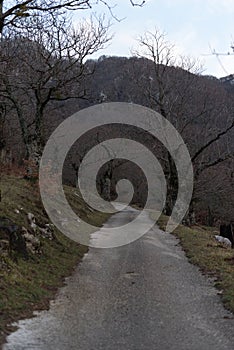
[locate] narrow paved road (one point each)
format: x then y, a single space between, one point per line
143 296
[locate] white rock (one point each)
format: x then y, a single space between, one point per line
32 243
32 221
31 217
223 240
46 233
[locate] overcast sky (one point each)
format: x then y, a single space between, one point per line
193 26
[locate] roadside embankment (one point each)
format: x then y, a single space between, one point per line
34 256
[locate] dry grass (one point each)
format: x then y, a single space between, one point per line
26 285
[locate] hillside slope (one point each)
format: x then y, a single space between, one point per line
33 263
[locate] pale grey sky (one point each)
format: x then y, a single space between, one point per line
194 26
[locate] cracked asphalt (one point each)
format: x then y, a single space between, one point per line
142 296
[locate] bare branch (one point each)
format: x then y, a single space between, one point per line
47 65
213 140
18 10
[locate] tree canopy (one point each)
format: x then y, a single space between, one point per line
11 12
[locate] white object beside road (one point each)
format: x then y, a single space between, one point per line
223 240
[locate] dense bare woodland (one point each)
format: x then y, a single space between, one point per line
143 295
201 108
45 77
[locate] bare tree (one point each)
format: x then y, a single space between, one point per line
45 66
12 12
2 121
172 97
214 186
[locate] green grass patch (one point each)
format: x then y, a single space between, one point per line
28 285
203 250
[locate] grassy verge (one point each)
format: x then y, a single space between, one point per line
28 285
213 259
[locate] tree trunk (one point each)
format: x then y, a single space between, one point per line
105 182
34 154
172 185
190 218
35 146
210 218
1 18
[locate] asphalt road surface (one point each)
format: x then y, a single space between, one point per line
143 296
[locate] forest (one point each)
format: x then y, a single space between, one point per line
52 67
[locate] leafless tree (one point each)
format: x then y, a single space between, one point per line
12 12
172 98
45 66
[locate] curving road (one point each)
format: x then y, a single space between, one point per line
143 296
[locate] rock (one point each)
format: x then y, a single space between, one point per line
225 241
17 243
7 226
46 232
31 217
18 240
15 238
33 244
4 246
32 221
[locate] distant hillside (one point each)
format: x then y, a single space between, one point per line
198 106
228 82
